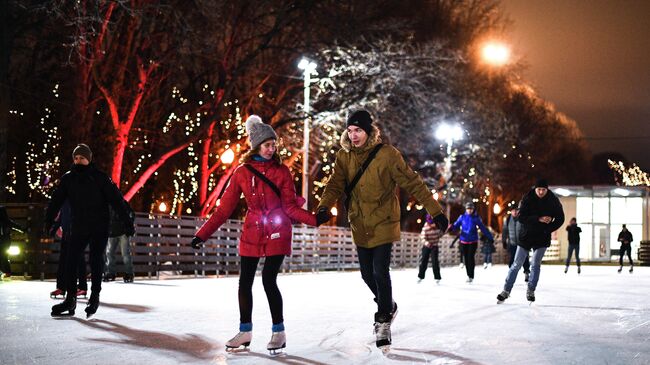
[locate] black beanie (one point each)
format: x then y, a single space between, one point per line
541 183
84 151
361 119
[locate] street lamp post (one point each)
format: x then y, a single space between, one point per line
449 134
308 68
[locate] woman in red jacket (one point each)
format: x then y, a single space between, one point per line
267 226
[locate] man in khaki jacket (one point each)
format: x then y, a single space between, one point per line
374 210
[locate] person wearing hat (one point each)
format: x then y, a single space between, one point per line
430 237
469 223
540 214
373 207
267 228
89 192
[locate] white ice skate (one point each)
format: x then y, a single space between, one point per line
278 343
240 342
485 265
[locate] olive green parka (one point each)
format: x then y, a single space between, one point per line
374 212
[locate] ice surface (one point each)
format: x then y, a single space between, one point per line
598 317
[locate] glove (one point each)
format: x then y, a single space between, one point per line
196 243
322 216
441 222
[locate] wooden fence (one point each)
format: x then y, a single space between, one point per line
161 246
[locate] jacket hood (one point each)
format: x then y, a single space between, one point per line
373 139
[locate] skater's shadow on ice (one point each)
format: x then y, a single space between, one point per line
282 359
439 356
129 307
191 345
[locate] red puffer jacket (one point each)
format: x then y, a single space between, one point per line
267 227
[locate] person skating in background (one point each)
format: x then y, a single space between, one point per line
469 223
573 233
117 237
487 249
373 207
510 237
6 226
267 186
625 238
90 192
63 222
430 237
540 214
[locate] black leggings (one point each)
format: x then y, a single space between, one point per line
469 250
269 279
374 264
424 262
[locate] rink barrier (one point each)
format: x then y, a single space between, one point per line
161 247
644 253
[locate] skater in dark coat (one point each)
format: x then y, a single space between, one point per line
625 238
64 222
117 238
267 227
510 239
6 226
90 192
487 249
573 233
541 213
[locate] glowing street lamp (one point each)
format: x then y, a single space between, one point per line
309 68
228 156
13 251
495 53
496 209
162 207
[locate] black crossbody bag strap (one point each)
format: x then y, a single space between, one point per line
357 177
268 182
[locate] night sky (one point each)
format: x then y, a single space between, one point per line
592 60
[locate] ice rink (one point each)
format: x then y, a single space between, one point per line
598 317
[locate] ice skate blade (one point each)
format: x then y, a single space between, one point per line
500 301
235 350
277 351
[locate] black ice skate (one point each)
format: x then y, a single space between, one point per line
526 276
108 277
382 331
93 304
530 296
128 278
620 268
503 296
65 308
278 343
240 342
631 269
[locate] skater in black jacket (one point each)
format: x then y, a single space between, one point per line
6 226
89 192
540 214
625 238
573 233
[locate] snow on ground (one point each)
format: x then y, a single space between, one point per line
598 317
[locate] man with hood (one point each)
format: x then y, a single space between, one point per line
540 214
89 192
373 207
